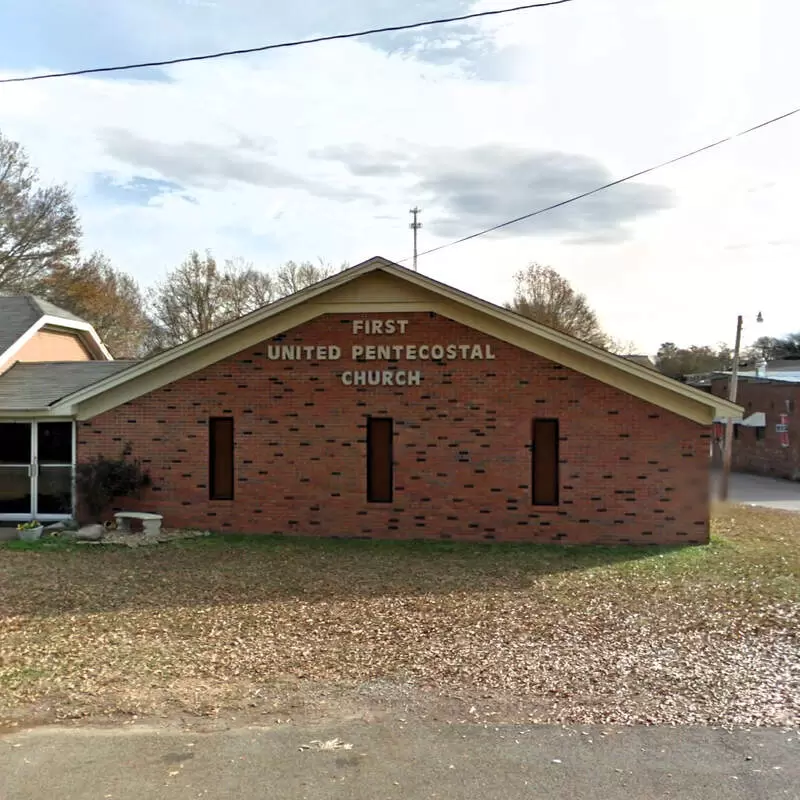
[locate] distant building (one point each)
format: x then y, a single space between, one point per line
45 353
767 437
644 361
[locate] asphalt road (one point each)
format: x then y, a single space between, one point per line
758 490
393 759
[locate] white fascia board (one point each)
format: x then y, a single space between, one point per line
83 327
56 322
719 405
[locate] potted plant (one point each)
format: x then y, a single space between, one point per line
30 531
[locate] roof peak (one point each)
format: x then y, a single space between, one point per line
41 306
426 295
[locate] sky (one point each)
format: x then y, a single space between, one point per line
319 152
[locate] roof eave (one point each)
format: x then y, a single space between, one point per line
230 327
31 413
699 400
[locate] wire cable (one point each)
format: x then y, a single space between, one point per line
605 186
283 45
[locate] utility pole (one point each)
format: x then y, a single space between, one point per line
415 226
734 385
732 390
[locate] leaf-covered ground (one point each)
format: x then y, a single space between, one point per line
702 635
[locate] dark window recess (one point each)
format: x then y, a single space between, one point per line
759 432
220 458
15 443
544 462
55 442
380 472
735 431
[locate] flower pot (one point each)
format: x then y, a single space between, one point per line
30 534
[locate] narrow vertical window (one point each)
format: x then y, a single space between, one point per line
380 473
220 458
544 458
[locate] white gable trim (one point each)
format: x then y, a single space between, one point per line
303 306
88 334
229 329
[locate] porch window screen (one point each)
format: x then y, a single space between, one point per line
544 458
220 443
380 473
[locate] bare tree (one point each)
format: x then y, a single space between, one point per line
541 294
245 288
106 297
198 296
187 303
292 277
39 226
621 347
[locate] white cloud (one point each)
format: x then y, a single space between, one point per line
622 83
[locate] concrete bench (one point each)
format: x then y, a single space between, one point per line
150 522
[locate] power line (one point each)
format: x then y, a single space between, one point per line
282 45
607 185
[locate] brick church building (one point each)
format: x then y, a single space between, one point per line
381 403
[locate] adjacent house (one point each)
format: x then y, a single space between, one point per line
45 353
379 403
33 329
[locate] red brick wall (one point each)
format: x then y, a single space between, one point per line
766 456
630 472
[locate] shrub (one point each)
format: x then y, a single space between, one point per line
99 480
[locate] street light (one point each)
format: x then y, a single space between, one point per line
734 385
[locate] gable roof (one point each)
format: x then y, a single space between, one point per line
39 384
379 285
20 311
22 315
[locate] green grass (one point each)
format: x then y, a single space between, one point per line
12 679
41 545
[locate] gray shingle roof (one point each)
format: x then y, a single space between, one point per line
644 361
39 384
19 311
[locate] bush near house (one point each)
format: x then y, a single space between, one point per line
101 480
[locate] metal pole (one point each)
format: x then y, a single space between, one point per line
728 451
415 226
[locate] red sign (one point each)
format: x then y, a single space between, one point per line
783 430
